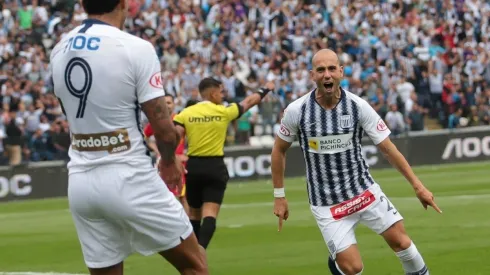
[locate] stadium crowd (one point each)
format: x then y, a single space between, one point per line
411 59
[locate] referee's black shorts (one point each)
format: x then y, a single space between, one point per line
206 180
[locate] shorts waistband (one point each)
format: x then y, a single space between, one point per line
206 157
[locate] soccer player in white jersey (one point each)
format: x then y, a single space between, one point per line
329 123
118 201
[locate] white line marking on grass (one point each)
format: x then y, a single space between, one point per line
38 273
261 204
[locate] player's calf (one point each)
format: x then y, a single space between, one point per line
189 258
405 250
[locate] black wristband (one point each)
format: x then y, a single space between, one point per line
263 92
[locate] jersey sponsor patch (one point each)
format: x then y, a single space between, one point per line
330 144
156 80
284 131
353 205
381 126
112 142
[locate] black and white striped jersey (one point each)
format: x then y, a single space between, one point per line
331 144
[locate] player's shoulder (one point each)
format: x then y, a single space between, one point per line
360 102
60 45
296 105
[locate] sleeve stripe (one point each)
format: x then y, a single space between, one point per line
240 110
178 123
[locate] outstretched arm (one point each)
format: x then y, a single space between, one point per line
393 155
278 164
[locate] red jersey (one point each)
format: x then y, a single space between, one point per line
148 131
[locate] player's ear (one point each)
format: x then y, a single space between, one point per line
341 68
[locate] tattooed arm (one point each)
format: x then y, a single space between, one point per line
166 136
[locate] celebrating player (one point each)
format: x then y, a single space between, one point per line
205 125
329 123
118 201
179 152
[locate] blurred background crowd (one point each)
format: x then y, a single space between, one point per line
421 64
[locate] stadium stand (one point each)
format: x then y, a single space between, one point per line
421 64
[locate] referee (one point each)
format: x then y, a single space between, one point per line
205 125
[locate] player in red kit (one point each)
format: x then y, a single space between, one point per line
179 151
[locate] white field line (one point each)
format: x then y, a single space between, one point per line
264 204
441 198
37 273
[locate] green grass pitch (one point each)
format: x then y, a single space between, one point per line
39 236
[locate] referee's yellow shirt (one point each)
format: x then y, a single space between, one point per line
206 125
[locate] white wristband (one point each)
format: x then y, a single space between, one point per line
279 193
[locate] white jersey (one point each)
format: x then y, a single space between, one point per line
101 75
331 144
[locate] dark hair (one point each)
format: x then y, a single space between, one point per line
191 102
170 95
207 83
98 7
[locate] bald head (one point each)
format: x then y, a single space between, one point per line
325 55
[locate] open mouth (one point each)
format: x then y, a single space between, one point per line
328 85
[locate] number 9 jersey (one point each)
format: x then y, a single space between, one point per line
101 75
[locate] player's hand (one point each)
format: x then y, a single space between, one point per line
182 158
281 210
171 173
427 198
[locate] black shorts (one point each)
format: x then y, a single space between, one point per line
206 180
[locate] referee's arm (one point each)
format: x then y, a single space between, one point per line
254 98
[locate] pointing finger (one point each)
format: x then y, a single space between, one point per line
280 224
434 205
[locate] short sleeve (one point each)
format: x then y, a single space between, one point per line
179 119
373 124
289 123
233 111
147 73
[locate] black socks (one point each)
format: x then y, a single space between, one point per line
207 230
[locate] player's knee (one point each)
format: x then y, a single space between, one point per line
352 268
401 243
195 213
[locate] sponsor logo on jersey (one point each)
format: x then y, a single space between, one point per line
353 205
284 131
381 126
204 119
330 144
156 80
112 142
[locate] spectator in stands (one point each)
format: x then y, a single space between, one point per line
454 119
40 146
15 139
389 49
395 121
415 118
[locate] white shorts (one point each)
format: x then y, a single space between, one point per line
119 209
338 222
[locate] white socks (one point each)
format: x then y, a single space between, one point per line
412 261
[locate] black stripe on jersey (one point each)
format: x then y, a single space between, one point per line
348 155
87 23
338 157
309 163
326 159
138 125
357 153
366 168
